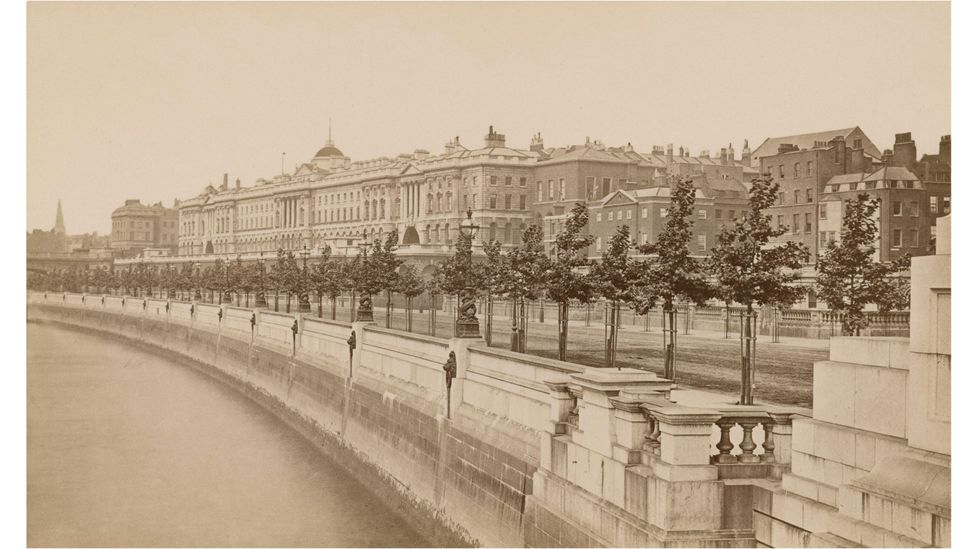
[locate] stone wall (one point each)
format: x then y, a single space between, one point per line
465 478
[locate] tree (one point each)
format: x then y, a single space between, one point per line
410 284
523 279
566 278
671 273
458 275
284 271
612 277
319 276
753 271
848 277
492 271
386 265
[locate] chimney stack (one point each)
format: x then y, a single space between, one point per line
494 139
420 154
746 153
536 145
945 149
904 150
223 186
786 147
237 184
724 156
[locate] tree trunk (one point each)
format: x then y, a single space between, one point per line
611 344
334 307
409 313
489 311
433 315
389 307
563 318
748 347
669 321
515 325
320 305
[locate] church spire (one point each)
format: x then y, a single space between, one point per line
59 220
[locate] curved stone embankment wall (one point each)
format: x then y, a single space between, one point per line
462 481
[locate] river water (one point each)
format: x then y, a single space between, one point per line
125 448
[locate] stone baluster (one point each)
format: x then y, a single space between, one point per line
724 444
748 446
769 445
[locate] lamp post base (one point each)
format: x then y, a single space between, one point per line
364 315
468 328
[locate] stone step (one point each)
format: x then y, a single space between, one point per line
811 489
885 352
826 540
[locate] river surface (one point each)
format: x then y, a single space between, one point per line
125 448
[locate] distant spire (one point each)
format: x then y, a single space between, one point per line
330 132
59 220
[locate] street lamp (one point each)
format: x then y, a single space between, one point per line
259 300
197 296
225 298
466 324
303 304
365 311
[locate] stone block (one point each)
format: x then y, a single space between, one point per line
635 492
763 527
787 508
834 392
941 532
693 505
803 435
881 400
912 523
808 466
884 352
545 451
800 486
834 443
613 482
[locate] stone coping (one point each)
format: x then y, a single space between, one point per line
542 362
629 380
329 321
408 335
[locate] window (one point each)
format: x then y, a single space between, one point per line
868 185
599 243
796 223
896 207
809 196
630 214
522 182
551 189
599 216
781 171
538 188
934 204
807 223
492 202
857 144
508 202
909 184
782 197
664 212
702 214
779 221
823 238
718 214
796 196
914 237
823 211
508 181
620 215
731 215
896 238
591 188
644 213
643 238
945 204
465 202
494 180
809 167
562 189
701 243
521 201
796 170
606 186
913 208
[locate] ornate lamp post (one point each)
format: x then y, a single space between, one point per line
225 298
259 300
466 324
197 296
365 311
303 304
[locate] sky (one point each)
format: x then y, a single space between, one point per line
155 101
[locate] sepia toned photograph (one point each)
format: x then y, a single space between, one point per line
487 274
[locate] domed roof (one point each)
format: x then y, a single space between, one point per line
327 151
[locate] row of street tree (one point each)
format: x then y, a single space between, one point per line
747 266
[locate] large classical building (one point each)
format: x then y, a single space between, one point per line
136 226
331 200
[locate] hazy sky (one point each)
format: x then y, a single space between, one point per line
155 101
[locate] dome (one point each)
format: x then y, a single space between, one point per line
328 151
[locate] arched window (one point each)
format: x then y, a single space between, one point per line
437 233
427 234
382 208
